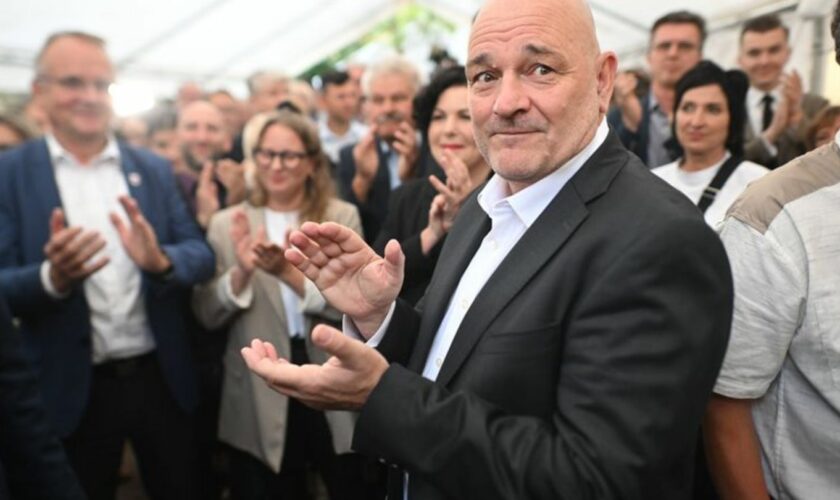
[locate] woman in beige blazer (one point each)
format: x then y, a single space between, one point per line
257 294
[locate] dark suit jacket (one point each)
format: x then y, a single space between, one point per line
582 369
31 457
790 145
57 333
408 215
375 209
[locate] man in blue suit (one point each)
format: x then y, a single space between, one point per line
97 250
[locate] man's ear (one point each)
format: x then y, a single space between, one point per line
607 65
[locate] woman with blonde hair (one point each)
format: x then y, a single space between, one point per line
257 294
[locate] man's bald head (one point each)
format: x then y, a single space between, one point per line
574 14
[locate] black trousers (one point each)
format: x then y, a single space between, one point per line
308 446
129 400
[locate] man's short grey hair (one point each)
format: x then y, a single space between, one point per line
78 35
262 79
391 66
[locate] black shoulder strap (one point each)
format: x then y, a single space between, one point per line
711 191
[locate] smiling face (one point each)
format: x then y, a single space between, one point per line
283 180
201 133
702 120
763 57
72 88
451 128
537 84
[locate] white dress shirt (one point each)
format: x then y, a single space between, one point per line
89 193
755 112
333 143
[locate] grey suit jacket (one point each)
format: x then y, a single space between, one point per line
790 144
252 417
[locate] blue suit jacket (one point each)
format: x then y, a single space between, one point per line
57 333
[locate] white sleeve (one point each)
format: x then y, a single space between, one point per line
770 292
349 328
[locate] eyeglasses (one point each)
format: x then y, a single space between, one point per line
264 158
77 84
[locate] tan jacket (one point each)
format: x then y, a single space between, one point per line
252 417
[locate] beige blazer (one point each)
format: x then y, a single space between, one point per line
252 417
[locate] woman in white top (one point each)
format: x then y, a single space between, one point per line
708 125
257 294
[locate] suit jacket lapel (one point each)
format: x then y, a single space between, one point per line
458 250
137 182
541 241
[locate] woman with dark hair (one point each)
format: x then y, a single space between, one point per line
421 211
708 126
257 294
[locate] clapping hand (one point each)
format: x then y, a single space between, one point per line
351 276
344 382
448 201
139 239
69 251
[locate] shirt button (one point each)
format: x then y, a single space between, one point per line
493 245
439 362
465 304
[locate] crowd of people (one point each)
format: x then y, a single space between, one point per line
528 310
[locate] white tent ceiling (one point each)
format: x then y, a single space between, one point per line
157 44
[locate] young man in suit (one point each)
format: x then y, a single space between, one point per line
97 251
570 336
777 108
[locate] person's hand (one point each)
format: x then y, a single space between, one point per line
352 277
627 100
243 245
69 251
405 144
367 163
779 123
232 176
139 239
344 382
206 196
447 202
792 92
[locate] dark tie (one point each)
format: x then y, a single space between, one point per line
767 113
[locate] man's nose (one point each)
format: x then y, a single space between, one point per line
512 97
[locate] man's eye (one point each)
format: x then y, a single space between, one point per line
542 70
483 77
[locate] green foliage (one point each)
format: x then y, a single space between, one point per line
391 32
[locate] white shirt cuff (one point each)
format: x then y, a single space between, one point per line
349 328
230 300
46 282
